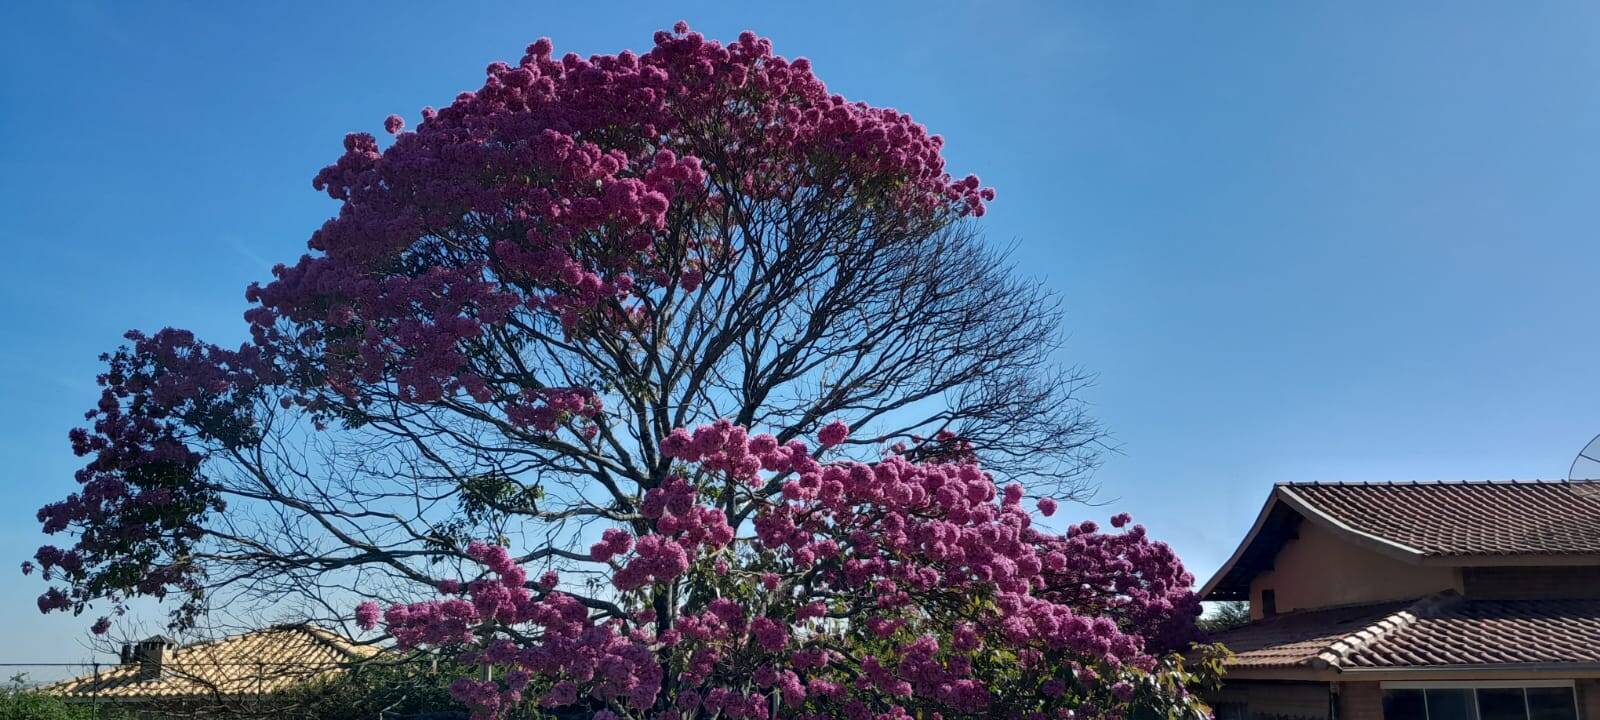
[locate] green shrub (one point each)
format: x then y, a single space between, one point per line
20 701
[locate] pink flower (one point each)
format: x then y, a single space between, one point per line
1047 506
769 634
833 433
614 541
367 614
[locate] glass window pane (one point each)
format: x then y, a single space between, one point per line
1404 705
1455 704
1501 704
1551 704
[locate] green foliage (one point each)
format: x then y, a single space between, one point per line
1224 616
20 701
29 705
411 690
1172 690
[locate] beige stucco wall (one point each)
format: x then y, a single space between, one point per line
1321 569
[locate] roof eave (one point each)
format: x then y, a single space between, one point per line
1238 552
1506 671
1516 560
1285 494
1383 545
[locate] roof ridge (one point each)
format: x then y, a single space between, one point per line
201 642
1429 483
1335 654
316 632
332 639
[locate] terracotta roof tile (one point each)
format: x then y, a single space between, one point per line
256 663
1443 629
1477 632
1295 638
1468 518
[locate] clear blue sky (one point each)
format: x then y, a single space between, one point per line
1296 242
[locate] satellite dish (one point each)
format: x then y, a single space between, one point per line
1585 470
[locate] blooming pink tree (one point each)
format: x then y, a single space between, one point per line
665 385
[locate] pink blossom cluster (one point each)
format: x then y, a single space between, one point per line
141 499
367 615
930 565
1123 576
906 534
682 529
833 433
600 660
552 192
613 542
546 409
724 447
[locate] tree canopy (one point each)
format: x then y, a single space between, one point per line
666 385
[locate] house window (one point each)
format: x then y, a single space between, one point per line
1479 701
1269 603
1231 711
1502 704
1404 705
1451 704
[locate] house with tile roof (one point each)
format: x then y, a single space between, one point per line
1416 601
243 674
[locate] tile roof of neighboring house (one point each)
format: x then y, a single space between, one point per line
1443 522
1442 630
254 663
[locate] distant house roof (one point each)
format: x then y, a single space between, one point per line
256 663
1451 523
1443 630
